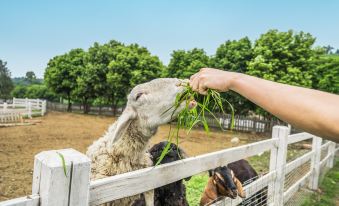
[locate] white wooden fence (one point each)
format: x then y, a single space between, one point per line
54 187
24 107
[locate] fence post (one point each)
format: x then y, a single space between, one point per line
5 107
315 162
277 164
331 152
58 185
29 112
26 102
14 102
43 107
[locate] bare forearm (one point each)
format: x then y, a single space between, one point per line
311 110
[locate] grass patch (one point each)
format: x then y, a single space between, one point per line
329 189
195 187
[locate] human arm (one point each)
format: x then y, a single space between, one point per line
313 111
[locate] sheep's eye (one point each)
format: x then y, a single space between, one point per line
138 96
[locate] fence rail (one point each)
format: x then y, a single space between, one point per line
51 186
12 112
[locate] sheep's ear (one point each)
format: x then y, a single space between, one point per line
240 189
122 123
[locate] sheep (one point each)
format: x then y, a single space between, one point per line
123 148
173 194
222 183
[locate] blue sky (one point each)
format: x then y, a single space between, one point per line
32 32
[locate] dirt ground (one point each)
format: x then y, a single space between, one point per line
18 145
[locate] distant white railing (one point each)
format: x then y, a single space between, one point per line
51 186
24 107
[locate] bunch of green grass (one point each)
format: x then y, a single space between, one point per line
190 117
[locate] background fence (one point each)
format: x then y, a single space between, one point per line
52 186
243 123
16 109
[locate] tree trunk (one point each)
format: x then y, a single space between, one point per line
69 107
114 107
86 106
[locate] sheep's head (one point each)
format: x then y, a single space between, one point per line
226 183
152 104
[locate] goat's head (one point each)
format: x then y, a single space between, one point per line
175 153
226 183
152 104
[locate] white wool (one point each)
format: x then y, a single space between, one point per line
123 148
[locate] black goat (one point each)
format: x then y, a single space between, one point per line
173 194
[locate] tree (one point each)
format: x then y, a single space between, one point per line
284 57
235 56
19 91
30 76
99 57
62 72
326 74
6 84
132 65
337 52
185 63
328 49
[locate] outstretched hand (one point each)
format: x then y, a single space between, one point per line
209 78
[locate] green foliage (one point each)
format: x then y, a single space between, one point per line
19 91
6 84
133 65
183 63
284 57
326 74
102 75
62 72
34 91
24 81
235 56
30 76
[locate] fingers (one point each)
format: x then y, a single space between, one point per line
195 84
202 88
198 83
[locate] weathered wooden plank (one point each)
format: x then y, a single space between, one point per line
324 160
297 162
299 137
124 185
326 145
278 162
31 200
58 185
315 162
